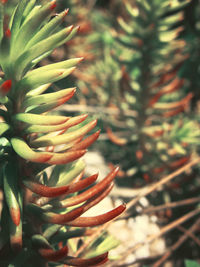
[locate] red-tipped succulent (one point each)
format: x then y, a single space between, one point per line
41 202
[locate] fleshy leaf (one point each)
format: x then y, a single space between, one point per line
52 255
97 220
90 192
64 138
24 151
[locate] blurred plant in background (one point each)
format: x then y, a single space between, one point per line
191 34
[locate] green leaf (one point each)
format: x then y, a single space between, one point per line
1 21
17 17
30 82
24 151
11 192
39 241
40 119
28 29
37 91
51 230
28 8
47 98
4 127
65 64
102 244
64 174
47 29
5 54
191 263
47 140
42 47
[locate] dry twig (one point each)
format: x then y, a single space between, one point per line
171 205
190 234
163 181
176 245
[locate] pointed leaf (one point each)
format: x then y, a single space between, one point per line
91 191
82 184
52 255
86 142
54 104
5 87
97 220
45 129
62 175
47 29
24 151
37 91
64 158
97 198
46 98
66 64
28 29
4 127
43 47
30 81
11 195
98 260
64 138
29 7
17 18
54 218
40 119
44 190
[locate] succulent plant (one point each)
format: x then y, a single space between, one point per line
151 54
42 181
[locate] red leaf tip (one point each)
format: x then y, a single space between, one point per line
81 59
15 215
53 5
79 28
7 33
4 1
70 28
5 87
66 11
122 207
52 255
115 170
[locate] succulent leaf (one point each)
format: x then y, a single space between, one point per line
52 255
97 220
64 138
40 119
46 191
29 27
90 192
24 151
